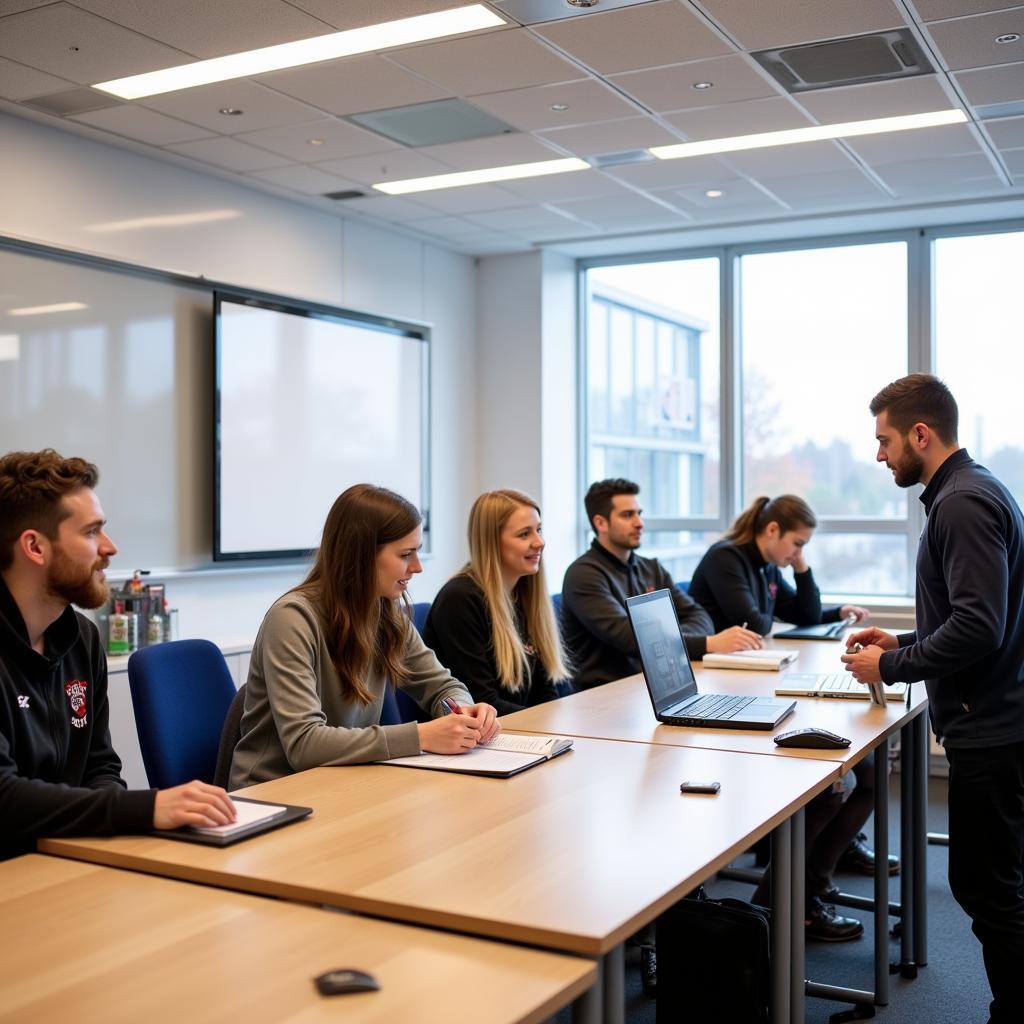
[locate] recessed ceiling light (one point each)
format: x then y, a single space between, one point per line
231 111
487 174
848 129
167 220
367 39
1008 37
56 307
703 85
714 193
559 108
315 142
582 3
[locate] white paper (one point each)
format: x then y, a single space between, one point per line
248 814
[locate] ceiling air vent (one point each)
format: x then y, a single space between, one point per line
625 156
347 193
880 57
72 101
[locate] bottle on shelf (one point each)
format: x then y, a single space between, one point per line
118 641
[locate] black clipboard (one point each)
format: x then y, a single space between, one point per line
819 631
292 813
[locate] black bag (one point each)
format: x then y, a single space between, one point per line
713 962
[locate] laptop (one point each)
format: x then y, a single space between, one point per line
670 680
819 631
837 684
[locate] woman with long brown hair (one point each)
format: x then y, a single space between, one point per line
493 623
328 649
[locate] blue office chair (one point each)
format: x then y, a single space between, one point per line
181 692
419 614
684 586
556 600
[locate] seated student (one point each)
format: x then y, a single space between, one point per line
594 619
59 775
328 648
739 579
493 623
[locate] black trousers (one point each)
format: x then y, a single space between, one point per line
986 863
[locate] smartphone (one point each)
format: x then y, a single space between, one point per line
699 787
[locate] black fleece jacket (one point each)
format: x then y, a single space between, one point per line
595 624
736 585
59 775
969 641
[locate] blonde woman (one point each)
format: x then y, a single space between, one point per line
493 624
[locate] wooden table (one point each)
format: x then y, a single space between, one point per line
88 943
575 855
622 711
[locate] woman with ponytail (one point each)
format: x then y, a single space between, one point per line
739 580
493 623
329 648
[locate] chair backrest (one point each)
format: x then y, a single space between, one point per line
230 734
556 600
419 614
683 585
181 692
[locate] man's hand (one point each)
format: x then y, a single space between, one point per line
735 638
875 636
864 664
194 803
859 614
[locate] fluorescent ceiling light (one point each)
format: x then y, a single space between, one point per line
484 175
170 220
816 133
368 39
57 307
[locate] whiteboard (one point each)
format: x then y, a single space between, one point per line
309 401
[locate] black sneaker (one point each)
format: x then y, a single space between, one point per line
649 971
860 858
823 924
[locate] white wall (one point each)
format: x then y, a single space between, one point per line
55 188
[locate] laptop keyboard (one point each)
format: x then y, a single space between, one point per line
840 682
717 706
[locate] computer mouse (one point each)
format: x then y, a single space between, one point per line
818 739
345 980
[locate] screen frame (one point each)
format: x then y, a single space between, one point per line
334 314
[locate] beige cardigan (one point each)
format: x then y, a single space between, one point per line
295 716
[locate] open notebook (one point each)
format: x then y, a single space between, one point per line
507 754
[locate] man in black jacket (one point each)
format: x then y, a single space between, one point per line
59 774
595 625
969 649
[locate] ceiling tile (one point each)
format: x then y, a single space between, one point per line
611 136
142 125
206 29
800 189
493 62
920 144
18 82
935 10
338 140
631 211
662 174
553 188
530 109
395 209
16 6
343 14
522 218
302 178
494 151
1007 133
229 153
394 165
445 227
877 99
73 44
971 42
739 119
785 22
672 88
468 200
738 195
262 107
1002 84
934 188
1015 162
927 173
354 85
782 161
636 37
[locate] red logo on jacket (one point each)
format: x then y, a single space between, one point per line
75 689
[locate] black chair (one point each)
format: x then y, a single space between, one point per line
229 737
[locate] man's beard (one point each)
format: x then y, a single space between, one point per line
909 469
74 584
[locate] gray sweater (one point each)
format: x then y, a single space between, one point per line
295 715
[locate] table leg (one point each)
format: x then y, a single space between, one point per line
782 920
920 840
797 956
586 1009
613 982
908 742
882 874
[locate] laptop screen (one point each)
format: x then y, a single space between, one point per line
666 666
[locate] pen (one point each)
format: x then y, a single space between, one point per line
744 625
452 707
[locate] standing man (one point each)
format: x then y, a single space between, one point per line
595 624
59 775
969 649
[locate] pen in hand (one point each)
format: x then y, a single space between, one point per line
452 707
